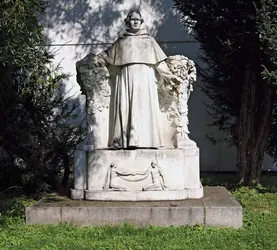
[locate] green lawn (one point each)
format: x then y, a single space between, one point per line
259 231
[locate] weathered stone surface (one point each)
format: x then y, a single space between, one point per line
179 167
138 215
77 194
221 209
217 208
43 215
136 195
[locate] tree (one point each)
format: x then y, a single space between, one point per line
35 131
238 45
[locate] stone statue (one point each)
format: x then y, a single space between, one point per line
134 105
136 98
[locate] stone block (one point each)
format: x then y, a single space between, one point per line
217 208
80 168
171 161
136 195
195 193
221 209
179 168
140 214
77 194
43 215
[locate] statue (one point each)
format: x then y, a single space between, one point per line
135 114
136 109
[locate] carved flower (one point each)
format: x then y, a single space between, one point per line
183 68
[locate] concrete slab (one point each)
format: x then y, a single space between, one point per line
43 215
221 208
217 208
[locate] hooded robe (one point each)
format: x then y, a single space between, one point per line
134 108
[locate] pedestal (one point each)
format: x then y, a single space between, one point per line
174 176
217 208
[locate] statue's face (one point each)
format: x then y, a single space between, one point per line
135 22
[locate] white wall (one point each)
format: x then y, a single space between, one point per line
77 27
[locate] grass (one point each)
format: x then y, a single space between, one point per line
259 231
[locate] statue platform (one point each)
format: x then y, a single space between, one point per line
217 208
131 175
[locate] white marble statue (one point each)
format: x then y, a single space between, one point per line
136 98
134 105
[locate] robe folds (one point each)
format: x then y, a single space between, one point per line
134 107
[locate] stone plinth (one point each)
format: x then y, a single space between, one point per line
177 168
188 193
217 208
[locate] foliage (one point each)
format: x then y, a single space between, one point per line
35 134
258 232
268 36
238 46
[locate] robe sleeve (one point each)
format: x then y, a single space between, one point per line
111 53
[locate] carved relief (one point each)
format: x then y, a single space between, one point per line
93 78
157 177
114 174
174 96
94 83
111 178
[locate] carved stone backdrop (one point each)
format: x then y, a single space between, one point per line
173 99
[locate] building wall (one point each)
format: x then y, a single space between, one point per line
78 27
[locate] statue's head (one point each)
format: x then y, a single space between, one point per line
113 165
154 163
134 20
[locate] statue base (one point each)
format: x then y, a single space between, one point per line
189 193
217 209
130 175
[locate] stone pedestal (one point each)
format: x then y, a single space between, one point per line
179 168
217 208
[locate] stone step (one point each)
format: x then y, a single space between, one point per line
217 208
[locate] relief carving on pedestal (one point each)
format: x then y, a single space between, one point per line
114 174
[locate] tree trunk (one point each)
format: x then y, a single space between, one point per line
253 126
245 127
66 166
263 123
